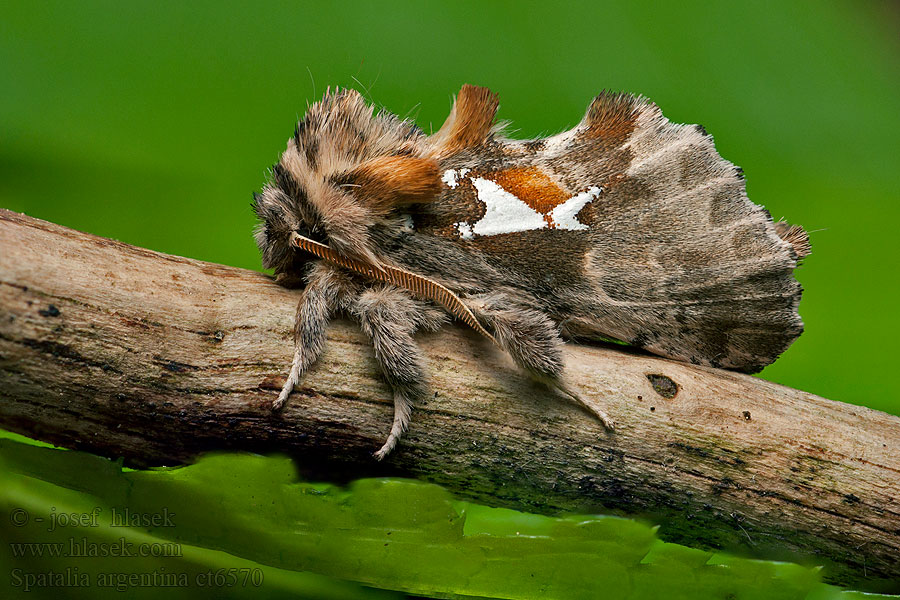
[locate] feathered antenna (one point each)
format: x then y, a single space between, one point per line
417 284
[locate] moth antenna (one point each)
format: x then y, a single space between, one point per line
432 290
419 285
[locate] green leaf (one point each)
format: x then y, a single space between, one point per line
251 514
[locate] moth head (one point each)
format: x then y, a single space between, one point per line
279 216
345 170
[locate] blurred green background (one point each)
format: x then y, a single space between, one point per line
152 123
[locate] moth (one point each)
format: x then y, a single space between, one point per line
627 227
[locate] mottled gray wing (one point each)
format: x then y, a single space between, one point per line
681 262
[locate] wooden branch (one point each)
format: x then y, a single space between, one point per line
127 352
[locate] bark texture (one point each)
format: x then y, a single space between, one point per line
126 352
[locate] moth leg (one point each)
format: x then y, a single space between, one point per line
389 317
325 286
532 339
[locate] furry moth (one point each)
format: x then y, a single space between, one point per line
626 227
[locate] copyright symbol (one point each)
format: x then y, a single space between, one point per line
18 517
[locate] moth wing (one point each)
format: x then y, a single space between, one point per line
681 262
627 226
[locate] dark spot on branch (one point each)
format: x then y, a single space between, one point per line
271 383
50 311
663 385
695 450
174 366
721 486
66 352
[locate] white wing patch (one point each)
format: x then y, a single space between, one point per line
504 213
507 213
465 230
451 177
563 215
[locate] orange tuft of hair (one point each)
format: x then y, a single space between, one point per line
389 181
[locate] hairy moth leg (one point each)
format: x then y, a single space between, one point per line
389 317
325 286
532 339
